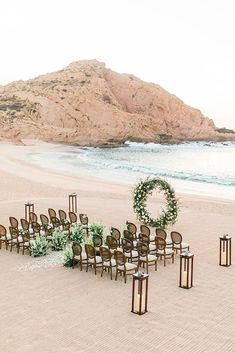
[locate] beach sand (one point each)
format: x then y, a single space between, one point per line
59 310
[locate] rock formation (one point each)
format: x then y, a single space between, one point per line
88 104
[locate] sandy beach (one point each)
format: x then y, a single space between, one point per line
59 310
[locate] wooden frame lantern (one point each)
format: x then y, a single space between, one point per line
139 293
186 270
225 250
73 202
28 207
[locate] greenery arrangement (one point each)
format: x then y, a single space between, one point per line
68 256
77 233
141 193
39 247
58 240
96 228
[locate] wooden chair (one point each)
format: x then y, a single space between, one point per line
146 230
92 259
122 266
112 243
97 242
73 217
4 237
37 230
128 235
19 240
52 213
78 255
161 233
107 261
55 223
132 228
26 227
45 223
32 217
178 243
144 257
128 250
163 251
14 222
144 238
116 234
63 217
84 221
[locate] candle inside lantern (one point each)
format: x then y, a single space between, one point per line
223 258
137 303
184 278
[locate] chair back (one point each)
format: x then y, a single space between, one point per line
90 251
132 228
33 217
161 233
144 229
105 254
111 242
55 222
14 232
144 238
176 237
76 248
3 231
120 258
13 222
83 219
52 213
45 220
73 217
24 224
36 227
142 249
128 235
127 245
97 241
116 234
62 215
160 243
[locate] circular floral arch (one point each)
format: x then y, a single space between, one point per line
143 190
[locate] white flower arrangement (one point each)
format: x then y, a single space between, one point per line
143 190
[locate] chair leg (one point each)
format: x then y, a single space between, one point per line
147 267
95 268
73 263
87 266
124 276
18 248
173 258
164 260
111 273
116 274
102 270
156 265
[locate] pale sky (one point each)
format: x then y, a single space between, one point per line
186 46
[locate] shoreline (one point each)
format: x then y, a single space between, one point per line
23 167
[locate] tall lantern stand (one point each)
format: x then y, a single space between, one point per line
28 207
73 203
225 250
186 270
139 293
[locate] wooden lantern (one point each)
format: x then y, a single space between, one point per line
225 250
73 202
28 207
186 270
139 293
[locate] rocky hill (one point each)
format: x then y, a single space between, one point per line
88 104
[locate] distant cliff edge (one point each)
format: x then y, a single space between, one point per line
88 104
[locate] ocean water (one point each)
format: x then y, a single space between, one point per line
195 167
